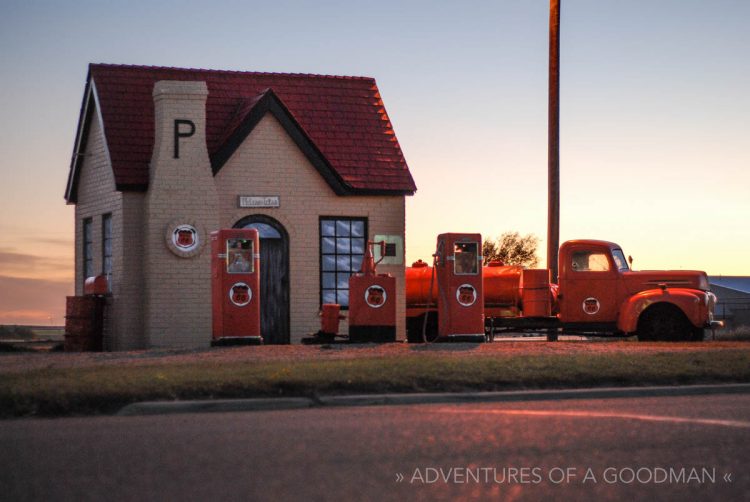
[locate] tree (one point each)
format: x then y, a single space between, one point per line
512 248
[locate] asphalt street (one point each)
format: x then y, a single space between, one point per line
661 448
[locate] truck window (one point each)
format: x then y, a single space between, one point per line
620 261
589 261
465 256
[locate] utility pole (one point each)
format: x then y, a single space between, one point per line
553 140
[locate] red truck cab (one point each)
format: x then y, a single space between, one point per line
599 292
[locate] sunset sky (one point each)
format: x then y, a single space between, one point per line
655 108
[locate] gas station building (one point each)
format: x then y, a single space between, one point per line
165 156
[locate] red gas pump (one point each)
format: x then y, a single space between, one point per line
235 287
372 302
458 266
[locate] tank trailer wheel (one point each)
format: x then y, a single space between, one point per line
414 328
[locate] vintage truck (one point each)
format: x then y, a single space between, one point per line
597 294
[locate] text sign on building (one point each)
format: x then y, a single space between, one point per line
259 201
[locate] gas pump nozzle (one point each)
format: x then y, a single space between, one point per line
368 260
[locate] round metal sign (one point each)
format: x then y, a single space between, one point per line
185 238
375 296
240 294
466 295
591 305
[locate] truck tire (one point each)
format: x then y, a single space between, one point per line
666 323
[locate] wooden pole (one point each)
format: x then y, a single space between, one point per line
553 141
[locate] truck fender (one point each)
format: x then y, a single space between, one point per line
691 302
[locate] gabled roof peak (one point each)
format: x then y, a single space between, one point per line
342 118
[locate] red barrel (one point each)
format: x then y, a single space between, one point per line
84 322
535 293
96 285
329 318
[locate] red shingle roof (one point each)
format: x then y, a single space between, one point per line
344 117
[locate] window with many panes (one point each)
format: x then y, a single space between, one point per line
342 246
107 249
88 244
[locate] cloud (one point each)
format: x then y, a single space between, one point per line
33 301
29 317
55 241
15 264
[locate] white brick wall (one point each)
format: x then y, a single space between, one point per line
96 197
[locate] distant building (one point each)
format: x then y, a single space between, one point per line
733 306
311 161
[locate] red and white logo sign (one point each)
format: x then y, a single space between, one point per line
466 295
240 294
591 305
375 296
185 237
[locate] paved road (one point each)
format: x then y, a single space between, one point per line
676 448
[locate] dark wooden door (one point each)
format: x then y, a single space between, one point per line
274 277
274 291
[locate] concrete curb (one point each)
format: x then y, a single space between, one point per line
215 405
287 403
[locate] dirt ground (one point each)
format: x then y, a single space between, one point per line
19 362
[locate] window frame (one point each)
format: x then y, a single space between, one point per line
336 253
625 266
87 248
107 237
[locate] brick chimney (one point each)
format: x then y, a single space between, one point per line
181 210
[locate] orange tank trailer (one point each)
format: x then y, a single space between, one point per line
501 288
503 294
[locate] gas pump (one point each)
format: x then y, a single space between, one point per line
372 301
235 287
458 261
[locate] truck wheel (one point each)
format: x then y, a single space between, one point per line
664 323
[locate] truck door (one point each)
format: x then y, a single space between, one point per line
588 286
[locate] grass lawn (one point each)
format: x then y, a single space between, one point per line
106 388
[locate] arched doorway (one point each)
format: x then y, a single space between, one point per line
274 277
